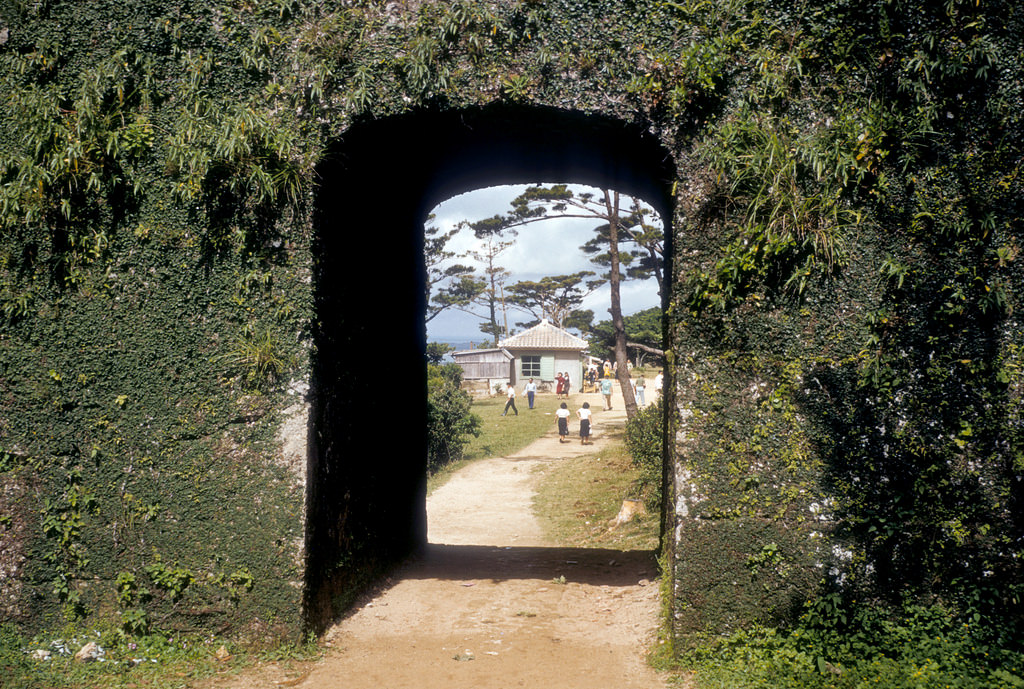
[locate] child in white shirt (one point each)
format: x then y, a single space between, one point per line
585 414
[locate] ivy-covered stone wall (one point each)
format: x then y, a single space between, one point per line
183 368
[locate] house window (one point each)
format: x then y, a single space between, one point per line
531 367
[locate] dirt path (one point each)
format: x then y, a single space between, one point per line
491 604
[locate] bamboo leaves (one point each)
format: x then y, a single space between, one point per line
785 198
236 144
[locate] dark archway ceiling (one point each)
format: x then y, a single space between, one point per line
446 154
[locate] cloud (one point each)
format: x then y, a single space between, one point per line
548 248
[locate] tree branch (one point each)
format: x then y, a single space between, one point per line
649 350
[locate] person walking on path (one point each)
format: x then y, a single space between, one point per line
606 390
562 415
638 390
531 392
585 414
511 400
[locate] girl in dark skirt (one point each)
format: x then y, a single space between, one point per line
584 415
562 414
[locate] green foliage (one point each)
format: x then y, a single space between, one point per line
63 522
645 441
260 358
839 647
845 319
920 437
883 127
172 580
76 147
449 419
447 284
129 430
554 297
782 198
436 351
236 584
135 622
643 327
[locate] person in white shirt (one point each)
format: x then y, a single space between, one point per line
531 391
585 415
511 400
562 416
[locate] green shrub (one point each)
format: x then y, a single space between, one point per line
449 420
645 434
839 646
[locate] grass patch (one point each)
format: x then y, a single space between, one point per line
503 435
500 435
155 661
578 499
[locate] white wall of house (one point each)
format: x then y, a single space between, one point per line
550 363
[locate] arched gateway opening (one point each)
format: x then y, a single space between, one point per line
367 451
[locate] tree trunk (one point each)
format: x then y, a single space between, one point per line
611 203
493 310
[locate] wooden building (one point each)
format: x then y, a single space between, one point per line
482 369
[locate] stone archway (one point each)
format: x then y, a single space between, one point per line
366 479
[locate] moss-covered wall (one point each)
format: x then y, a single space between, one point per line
130 419
155 336
205 204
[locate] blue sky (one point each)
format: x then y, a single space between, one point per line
548 248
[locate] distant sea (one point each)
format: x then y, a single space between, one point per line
456 344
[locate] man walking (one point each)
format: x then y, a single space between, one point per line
511 400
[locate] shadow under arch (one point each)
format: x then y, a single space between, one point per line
366 488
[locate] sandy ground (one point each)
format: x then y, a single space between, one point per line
490 604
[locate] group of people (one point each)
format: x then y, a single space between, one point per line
562 385
586 420
562 388
531 395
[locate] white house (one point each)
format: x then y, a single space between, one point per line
543 351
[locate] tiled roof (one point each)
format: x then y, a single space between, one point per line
544 336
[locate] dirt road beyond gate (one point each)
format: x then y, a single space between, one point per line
490 604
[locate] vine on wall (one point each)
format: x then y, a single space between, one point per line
847 270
